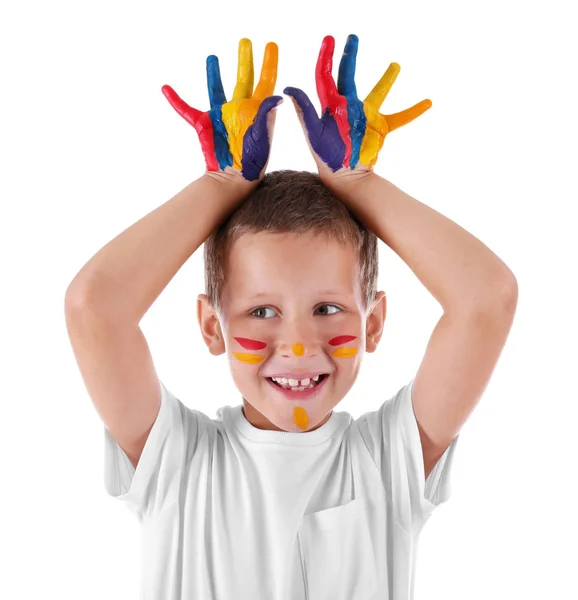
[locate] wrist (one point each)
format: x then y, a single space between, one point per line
230 179
345 179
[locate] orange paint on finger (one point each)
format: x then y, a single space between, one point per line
300 417
298 349
344 352
246 357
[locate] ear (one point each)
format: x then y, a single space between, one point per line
210 326
374 322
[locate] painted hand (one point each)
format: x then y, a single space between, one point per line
350 132
236 133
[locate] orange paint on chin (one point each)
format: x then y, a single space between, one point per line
300 417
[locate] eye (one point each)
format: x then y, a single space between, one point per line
265 308
332 305
261 308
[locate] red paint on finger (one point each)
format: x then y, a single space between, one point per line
250 344
341 339
330 97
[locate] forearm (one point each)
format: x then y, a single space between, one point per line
461 272
123 279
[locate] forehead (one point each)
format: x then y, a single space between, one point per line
277 263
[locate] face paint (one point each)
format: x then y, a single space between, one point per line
343 352
341 339
298 349
300 417
236 133
250 359
250 344
350 131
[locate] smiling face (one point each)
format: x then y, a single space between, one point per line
292 305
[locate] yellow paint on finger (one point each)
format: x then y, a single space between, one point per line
248 358
344 352
245 72
382 87
298 349
300 417
237 118
375 132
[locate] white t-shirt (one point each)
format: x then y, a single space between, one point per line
229 511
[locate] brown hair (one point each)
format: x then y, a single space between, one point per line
297 202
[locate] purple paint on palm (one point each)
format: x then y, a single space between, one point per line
323 133
256 145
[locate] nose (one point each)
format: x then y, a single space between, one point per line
299 339
299 348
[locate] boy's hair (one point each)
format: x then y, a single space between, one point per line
288 201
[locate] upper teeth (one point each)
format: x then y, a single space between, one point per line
294 382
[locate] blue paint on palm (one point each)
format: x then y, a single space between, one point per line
256 145
346 87
330 145
323 133
220 138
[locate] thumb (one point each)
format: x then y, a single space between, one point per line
305 111
263 119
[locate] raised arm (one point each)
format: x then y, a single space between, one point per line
107 299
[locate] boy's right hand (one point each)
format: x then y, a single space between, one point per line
236 133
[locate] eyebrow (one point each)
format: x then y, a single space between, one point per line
321 293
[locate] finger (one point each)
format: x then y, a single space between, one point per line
406 116
346 77
266 85
382 87
256 143
214 83
190 114
326 88
306 110
245 73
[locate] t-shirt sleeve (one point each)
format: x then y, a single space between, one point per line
155 483
392 437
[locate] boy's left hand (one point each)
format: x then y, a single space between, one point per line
350 133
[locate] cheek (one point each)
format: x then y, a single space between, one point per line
249 358
347 346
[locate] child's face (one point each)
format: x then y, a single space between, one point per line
292 304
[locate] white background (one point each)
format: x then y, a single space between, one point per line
89 145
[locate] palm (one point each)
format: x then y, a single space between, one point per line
235 133
350 132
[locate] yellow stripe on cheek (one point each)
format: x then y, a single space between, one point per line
298 349
344 352
250 359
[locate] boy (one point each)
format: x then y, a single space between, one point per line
282 497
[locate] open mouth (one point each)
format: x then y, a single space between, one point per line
312 384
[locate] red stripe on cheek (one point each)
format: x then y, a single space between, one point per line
250 344
342 339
